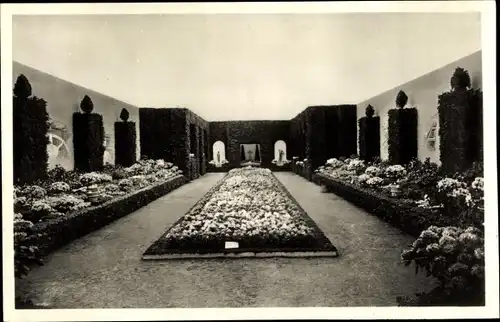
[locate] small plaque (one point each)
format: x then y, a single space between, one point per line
231 245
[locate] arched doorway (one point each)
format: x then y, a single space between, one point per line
219 154
280 158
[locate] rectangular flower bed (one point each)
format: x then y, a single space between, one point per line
249 213
412 220
57 232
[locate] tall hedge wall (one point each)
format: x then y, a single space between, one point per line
88 141
198 125
155 127
30 127
125 143
460 129
403 135
369 138
347 130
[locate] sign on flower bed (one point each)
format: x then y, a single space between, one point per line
71 204
249 213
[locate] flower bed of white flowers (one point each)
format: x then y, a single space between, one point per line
249 207
45 201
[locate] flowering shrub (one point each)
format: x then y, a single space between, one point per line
334 163
356 165
363 178
95 177
374 171
455 257
300 163
66 203
395 172
34 192
25 252
59 187
375 181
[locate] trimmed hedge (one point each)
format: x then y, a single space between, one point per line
412 220
460 129
88 140
125 143
347 130
155 129
60 231
403 135
30 127
369 138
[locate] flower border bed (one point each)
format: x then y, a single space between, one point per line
410 219
158 250
55 233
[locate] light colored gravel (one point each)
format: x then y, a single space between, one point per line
104 269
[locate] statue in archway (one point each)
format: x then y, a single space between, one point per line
218 157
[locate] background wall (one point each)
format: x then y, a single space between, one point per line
63 99
423 94
234 133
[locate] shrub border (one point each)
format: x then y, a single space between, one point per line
328 248
58 232
410 219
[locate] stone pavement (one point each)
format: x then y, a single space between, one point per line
104 269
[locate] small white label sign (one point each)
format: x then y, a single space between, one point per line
231 244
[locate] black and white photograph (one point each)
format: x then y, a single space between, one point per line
172 161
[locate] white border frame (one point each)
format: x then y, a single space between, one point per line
488 19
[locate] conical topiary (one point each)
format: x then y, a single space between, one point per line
401 99
370 111
460 79
257 153
22 88
124 115
86 105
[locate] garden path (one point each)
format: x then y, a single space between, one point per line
104 269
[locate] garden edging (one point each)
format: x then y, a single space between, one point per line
55 233
410 219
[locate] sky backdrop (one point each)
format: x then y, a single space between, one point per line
237 66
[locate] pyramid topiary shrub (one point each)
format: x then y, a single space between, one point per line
30 127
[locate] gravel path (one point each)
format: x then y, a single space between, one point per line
104 269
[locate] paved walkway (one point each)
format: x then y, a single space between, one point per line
104 269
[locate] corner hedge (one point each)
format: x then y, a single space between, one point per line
403 135
369 138
125 143
460 129
30 127
88 140
155 129
55 233
411 220
347 130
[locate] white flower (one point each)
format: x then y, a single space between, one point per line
395 171
58 187
448 184
355 164
373 171
375 181
95 177
363 178
41 205
478 184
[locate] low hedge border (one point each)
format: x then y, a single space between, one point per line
410 219
55 233
316 242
